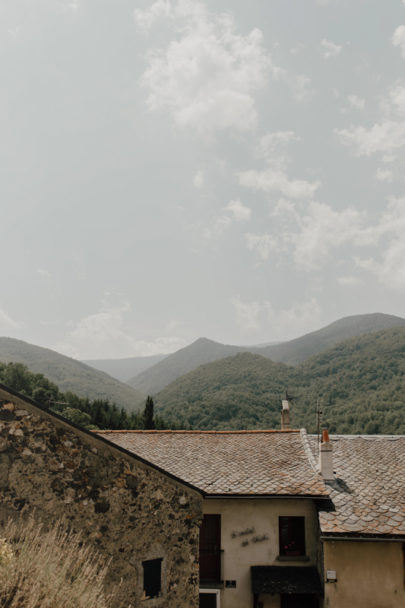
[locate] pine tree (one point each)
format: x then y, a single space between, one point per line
148 420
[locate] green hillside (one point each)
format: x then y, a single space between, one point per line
360 382
155 378
69 374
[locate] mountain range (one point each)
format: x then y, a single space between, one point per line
213 385
156 377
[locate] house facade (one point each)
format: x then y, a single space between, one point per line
288 522
363 536
259 540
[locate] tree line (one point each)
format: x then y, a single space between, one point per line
89 414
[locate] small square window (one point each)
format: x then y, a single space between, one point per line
292 536
152 577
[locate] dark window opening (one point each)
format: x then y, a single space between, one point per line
299 601
292 536
210 549
208 600
152 577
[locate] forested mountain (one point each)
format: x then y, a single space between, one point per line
184 360
124 369
295 351
69 374
298 350
359 382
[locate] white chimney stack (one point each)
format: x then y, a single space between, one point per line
285 415
326 457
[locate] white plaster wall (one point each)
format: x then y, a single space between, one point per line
258 548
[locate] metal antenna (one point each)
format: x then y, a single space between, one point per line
318 419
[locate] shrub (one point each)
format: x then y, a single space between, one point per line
49 569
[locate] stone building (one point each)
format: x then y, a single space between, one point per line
144 518
217 519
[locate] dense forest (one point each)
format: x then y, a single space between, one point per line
95 414
359 383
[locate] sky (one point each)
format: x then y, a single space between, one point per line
172 169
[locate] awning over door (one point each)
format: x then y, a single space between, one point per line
285 579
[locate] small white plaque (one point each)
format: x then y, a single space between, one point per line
331 575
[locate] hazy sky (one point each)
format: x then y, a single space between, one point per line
180 168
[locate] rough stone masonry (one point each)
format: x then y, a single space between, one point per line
130 511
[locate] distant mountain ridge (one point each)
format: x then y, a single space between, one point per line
182 361
126 368
293 352
298 350
69 374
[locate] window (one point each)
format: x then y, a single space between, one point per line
210 548
152 576
292 536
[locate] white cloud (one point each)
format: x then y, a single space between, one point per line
239 211
218 228
348 281
277 180
208 76
320 230
330 49
389 267
7 322
284 207
273 147
299 85
105 334
398 39
234 211
43 272
356 102
261 316
261 244
247 313
146 18
198 180
383 137
384 175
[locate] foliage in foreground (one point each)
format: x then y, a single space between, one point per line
51 569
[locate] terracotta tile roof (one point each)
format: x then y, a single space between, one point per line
369 491
229 462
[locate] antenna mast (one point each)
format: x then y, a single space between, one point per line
318 419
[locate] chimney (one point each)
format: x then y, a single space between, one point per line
326 457
285 415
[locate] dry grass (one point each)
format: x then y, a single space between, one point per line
49 569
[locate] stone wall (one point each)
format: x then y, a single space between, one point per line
128 510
